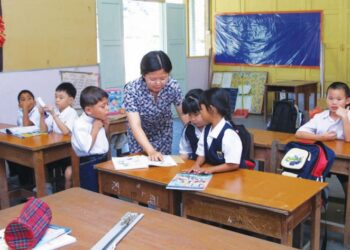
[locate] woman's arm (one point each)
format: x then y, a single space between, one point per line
328 136
225 167
140 136
184 118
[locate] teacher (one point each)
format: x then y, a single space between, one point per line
147 101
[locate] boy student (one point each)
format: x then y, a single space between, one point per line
89 139
28 115
61 120
193 130
333 123
218 145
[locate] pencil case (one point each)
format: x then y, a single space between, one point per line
25 231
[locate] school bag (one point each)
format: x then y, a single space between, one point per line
284 116
309 161
246 140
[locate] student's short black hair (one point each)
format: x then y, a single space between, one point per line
218 98
340 85
24 91
155 60
91 95
190 104
68 88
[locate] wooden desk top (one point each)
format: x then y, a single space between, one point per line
117 118
264 138
260 188
91 215
35 143
292 83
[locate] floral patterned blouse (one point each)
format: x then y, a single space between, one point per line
155 115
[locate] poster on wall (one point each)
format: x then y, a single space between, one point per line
291 39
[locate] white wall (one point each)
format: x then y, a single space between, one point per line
41 82
197 73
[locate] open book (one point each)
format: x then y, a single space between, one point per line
185 181
22 132
140 161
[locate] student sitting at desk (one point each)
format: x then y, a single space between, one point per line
61 121
219 144
28 115
193 130
89 139
333 123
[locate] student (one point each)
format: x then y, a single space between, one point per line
89 139
193 130
219 144
61 121
28 113
333 123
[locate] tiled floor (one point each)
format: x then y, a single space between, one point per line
335 211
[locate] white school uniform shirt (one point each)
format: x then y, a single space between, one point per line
322 123
34 116
67 116
185 146
231 143
82 139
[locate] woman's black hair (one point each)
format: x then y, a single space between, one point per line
190 104
218 98
155 60
91 95
340 85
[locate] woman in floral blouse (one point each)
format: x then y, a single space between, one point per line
147 101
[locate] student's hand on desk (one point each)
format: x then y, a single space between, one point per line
155 156
195 169
329 136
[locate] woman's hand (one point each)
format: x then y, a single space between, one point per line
195 169
155 156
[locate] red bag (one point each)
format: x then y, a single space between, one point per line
27 230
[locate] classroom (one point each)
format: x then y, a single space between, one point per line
151 81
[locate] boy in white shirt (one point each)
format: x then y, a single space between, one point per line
28 115
89 139
333 123
61 121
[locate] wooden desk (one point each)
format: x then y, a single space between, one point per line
296 87
262 144
262 151
117 125
265 203
91 215
35 152
145 186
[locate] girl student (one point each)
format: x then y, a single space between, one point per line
219 145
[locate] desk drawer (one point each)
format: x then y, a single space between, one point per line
151 194
235 215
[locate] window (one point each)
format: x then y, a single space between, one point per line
142 33
198 15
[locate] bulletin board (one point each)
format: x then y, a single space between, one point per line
290 39
80 80
43 34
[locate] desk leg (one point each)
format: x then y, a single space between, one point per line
75 169
265 103
4 198
287 232
316 222
39 170
347 214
